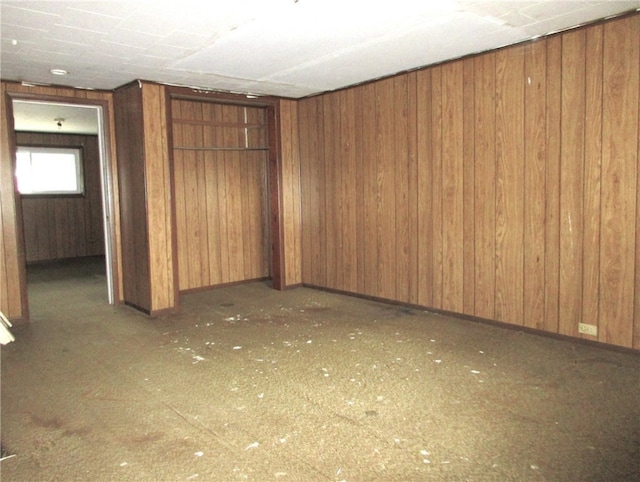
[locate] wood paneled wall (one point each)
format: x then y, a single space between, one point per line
65 227
145 187
133 214
291 221
13 301
164 294
220 179
502 186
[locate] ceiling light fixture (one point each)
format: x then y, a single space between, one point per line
58 72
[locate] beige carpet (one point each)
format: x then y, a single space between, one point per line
247 383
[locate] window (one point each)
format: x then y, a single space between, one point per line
49 170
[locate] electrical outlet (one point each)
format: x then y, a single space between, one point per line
588 329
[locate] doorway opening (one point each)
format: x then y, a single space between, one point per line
60 226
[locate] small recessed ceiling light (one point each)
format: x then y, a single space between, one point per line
58 72
14 42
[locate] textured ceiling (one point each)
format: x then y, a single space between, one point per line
290 48
286 48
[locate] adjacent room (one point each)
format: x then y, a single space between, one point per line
320 240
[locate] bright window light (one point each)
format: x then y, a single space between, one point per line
49 170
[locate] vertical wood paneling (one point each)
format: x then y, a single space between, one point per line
412 187
220 192
360 193
636 329
437 193
521 204
571 180
305 130
234 218
287 201
592 175
313 221
12 281
323 217
484 188
202 239
509 184
468 201
210 208
131 170
180 199
221 206
348 189
369 158
158 198
291 193
424 186
385 180
332 199
401 157
552 184
453 187
619 177
534 184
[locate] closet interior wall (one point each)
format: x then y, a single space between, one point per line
220 156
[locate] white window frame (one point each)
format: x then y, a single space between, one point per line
26 190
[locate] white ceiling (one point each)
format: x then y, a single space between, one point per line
289 48
35 116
